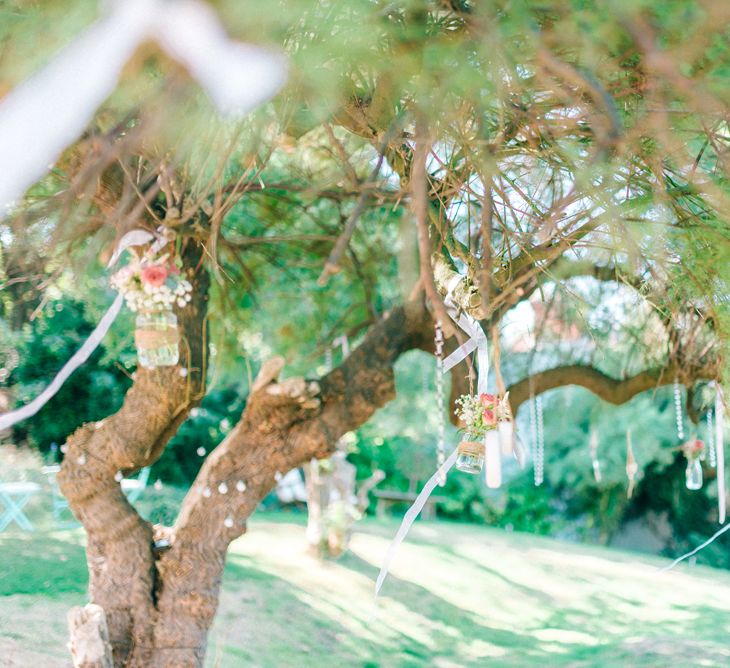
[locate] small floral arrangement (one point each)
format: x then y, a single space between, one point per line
694 449
482 413
151 283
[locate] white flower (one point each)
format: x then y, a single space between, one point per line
181 302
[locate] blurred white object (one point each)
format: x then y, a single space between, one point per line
51 109
492 459
237 77
291 488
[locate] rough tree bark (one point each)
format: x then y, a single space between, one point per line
284 425
615 391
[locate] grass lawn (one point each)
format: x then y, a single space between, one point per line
458 595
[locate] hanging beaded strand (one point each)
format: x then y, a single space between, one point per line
533 429
538 440
440 403
712 453
678 409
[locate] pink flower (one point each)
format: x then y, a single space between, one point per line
694 449
488 400
489 416
154 275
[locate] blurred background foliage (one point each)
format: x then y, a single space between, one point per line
663 516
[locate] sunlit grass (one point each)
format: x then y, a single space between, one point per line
458 595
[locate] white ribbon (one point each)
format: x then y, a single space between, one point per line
81 355
40 117
344 342
720 451
410 517
477 341
132 238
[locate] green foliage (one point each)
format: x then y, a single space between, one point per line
206 428
400 440
92 393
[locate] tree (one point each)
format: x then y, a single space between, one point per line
533 156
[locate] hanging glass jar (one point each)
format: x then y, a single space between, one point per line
471 456
157 339
693 473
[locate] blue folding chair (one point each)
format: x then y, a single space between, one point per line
14 496
60 504
133 487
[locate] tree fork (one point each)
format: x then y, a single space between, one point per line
284 425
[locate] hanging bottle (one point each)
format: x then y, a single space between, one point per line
694 451
157 339
493 450
471 456
506 432
693 474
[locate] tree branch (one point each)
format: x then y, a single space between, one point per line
285 423
609 389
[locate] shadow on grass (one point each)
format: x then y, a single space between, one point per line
266 620
318 635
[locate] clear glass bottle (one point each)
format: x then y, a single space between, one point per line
693 474
471 456
157 339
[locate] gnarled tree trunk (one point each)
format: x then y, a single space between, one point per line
160 601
